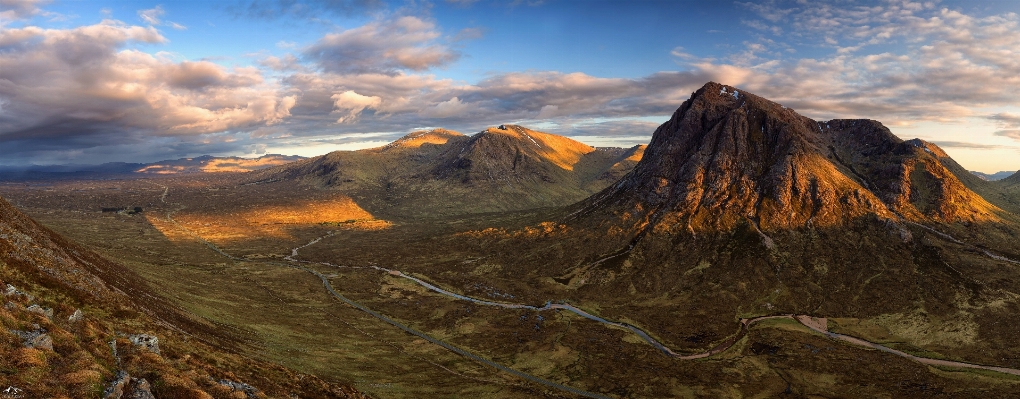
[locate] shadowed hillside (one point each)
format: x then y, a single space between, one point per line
76 325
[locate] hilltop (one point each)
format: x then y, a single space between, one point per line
441 172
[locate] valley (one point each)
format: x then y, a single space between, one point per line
745 252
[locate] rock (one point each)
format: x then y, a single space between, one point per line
145 341
42 341
12 392
11 306
37 339
248 390
48 312
76 316
140 389
10 290
115 389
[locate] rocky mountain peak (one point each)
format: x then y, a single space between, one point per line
727 156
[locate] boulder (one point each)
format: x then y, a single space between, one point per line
249 391
48 312
140 389
76 316
115 389
37 339
145 341
12 392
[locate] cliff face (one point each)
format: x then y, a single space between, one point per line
727 157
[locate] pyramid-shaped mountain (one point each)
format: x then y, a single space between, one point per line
728 157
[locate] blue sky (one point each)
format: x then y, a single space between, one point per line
140 81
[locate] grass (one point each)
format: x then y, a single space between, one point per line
283 315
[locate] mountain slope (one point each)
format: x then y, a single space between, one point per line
440 172
65 306
994 176
728 156
740 207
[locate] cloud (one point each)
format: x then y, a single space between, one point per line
386 46
351 104
154 17
275 9
12 10
973 146
935 64
86 88
1006 119
1012 133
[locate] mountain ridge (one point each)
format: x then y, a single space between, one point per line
438 171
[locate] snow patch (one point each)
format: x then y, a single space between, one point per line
723 91
736 94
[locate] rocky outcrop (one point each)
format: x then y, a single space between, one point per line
146 342
248 390
116 388
123 386
38 338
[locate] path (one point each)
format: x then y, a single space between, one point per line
814 324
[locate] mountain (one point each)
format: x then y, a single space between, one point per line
1012 180
440 172
741 207
208 163
728 156
202 164
74 323
994 176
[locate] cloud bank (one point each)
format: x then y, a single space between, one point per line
85 91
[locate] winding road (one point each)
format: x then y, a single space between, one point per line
818 325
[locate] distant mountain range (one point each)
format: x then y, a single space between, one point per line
994 176
439 172
202 164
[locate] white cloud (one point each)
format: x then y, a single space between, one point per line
385 46
13 10
351 104
152 16
85 87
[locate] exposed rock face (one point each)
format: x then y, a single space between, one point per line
728 157
145 341
48 312
248 390
37 339
115 389
140 389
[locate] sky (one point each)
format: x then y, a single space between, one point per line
86 82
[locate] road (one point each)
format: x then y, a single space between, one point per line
808 321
